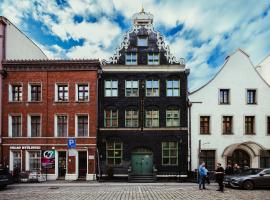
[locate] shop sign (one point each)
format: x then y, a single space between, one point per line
48 159
28 147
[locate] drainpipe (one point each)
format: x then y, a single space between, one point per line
2 57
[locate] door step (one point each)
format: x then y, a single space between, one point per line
142 178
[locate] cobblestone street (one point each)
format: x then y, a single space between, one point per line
125 191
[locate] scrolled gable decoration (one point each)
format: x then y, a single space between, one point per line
143 20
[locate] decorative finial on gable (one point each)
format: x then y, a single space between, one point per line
142 9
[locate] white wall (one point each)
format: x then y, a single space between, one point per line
264 69
19 46
237 74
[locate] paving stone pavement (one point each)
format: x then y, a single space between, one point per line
126 191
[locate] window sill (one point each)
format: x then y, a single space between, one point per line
251 104
205 133
224 104
61 102
34 101
15 101
250 133
227 133
86 101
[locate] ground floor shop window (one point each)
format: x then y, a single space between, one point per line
208 156
16 160
169 153
34 160
114 153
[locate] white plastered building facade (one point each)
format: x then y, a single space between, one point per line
236 75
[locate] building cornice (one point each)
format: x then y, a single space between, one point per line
50 65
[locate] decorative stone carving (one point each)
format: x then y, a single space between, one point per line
143 20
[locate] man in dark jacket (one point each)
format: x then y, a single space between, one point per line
220 177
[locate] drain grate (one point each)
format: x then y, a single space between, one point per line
53 188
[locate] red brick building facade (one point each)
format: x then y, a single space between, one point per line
46 103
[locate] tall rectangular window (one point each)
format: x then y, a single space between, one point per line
132 88
114 153
62 125
265 159
205 125
169 153
111 118
35 126
152 88
153 58
173 88
16 91
82 126
227 125
16 126
268 125
152 118
82 92
209 157
142 41
34 160
172 118
251 96
35 90
17 160
62 92
250 125
111 88
131 58
132 118
224 96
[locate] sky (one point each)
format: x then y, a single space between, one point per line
203 32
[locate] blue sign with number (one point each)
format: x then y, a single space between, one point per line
71 143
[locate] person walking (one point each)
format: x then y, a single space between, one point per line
220 177
202 176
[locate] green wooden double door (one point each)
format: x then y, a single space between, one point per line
142 163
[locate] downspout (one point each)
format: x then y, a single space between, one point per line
3 57
98 107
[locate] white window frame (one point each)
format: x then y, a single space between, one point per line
154 55
56 92
173 88
132 87
11 159
10 123
56 127
152 87
27 159
77 92
29 128
132 55
76 124
10 91
29 91
111 88
179 117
